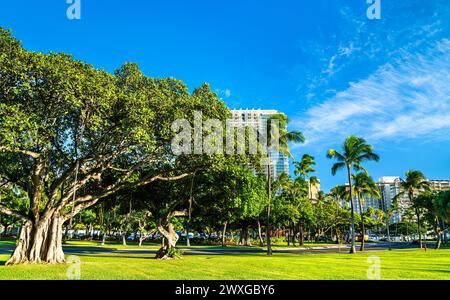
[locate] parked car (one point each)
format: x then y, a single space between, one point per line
183 234
374 238
358 238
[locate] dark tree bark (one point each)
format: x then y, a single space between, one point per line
337 236
244 237
302 236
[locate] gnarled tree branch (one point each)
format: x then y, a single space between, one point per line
7 211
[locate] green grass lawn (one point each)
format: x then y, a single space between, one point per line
397 264
134 245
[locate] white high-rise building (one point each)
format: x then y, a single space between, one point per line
389 188
367 202
257 118
440 185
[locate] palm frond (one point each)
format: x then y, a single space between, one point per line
336 167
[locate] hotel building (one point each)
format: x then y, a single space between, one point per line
257 118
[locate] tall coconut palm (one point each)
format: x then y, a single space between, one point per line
414 182
284 137
363 186
355 152
303 168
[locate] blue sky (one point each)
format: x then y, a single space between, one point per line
323 62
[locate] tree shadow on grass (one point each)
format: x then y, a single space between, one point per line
121 256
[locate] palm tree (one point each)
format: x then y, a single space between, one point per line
364 186
429 201
355 152
283 183
303 168
336 194
414 182
284 138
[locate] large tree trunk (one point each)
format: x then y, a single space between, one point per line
169 241
302 236
438 242
142 238
244 237
337 236
40 242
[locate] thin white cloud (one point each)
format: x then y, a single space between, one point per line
402 29
226 93
408 98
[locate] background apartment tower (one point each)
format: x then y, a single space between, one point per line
440 185
257 118
389 187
